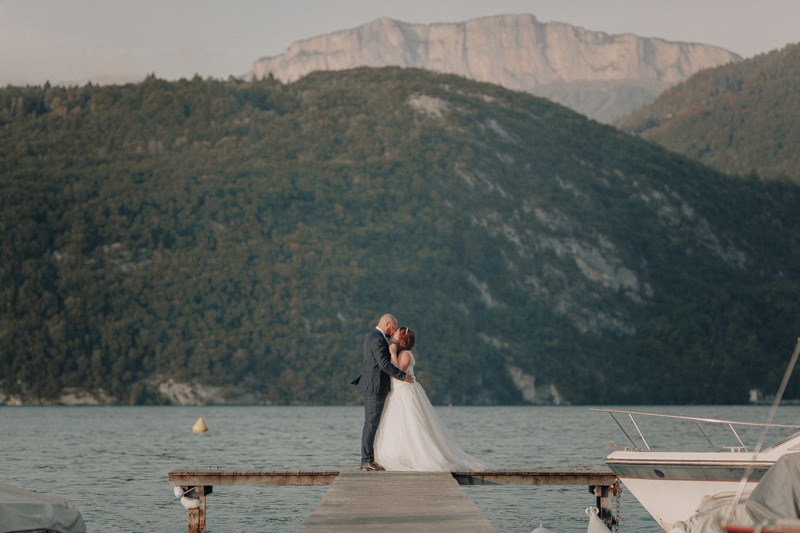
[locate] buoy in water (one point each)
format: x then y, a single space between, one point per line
190 503
199 426
541 529
595 524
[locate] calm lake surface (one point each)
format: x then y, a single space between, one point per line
112 462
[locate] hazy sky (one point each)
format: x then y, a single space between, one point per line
73 41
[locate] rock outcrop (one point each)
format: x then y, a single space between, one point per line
602 76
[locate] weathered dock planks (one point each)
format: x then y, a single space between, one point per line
537 477
396 502
429 501
306 478
262 478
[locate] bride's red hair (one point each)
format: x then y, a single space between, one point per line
405 338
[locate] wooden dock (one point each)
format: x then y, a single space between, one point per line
396 502
420 501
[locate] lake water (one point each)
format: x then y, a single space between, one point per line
112 462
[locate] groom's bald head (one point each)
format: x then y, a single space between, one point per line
387 324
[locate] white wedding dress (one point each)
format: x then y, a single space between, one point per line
411 436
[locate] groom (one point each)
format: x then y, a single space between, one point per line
374 383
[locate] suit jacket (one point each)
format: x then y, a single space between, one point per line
377 365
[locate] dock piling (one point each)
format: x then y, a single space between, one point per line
197 517
605 496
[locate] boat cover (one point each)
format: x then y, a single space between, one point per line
22 510
775 498
777 495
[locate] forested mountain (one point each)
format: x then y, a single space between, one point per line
247 235
742 118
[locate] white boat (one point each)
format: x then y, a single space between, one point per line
672 485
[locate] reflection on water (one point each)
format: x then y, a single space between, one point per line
112 462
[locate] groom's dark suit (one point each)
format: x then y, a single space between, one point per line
374 383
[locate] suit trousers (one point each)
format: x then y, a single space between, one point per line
373 407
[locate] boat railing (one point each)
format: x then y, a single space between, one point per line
697 421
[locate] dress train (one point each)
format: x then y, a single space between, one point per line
412 437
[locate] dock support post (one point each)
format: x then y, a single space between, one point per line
605 497
197 517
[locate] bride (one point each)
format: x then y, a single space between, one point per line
410 435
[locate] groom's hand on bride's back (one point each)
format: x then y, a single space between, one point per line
409 378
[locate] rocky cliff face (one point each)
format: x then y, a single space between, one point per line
602 76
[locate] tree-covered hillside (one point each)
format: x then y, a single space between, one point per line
742 118
247 236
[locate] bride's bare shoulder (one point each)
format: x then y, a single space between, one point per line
408 354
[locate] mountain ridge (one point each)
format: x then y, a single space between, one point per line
601 75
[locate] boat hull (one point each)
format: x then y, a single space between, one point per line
672 489
672 501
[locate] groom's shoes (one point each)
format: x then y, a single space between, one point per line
371 466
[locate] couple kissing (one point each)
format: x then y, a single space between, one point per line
402 431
